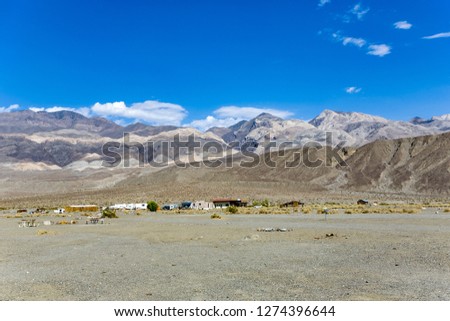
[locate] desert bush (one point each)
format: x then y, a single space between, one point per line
306 210
256 203
216 216
152 206
109 213
265 203
232 209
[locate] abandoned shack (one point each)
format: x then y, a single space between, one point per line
82 208
225 202
292 204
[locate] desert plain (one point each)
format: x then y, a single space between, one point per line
167 256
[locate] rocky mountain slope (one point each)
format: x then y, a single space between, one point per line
407 166
64 138
346 128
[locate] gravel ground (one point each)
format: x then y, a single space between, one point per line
192 257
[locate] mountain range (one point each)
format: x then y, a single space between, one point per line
60 153
59 139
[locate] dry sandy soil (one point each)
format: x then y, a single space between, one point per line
193 257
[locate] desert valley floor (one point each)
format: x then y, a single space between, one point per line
193 257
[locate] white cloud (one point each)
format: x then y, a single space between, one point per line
379 50
323 2
230 115
211 121
402 25
352 90
375 50
83 110
8 109
438 35
150 111
359 42
359 11
249 112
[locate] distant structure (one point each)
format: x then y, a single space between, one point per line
226 202
362 202
118 206
130 206
202 205
186 205
82 208
292 204
169 207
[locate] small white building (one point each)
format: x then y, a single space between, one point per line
59 211
130 207
118 206
202 205
140 206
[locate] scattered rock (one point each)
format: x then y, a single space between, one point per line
253 237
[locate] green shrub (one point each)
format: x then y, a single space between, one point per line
216 216
265 203
256 203
232 209
152 206
109 213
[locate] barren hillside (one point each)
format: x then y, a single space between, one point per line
402 168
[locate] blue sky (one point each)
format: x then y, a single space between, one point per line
209 63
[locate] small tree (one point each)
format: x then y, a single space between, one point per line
152 206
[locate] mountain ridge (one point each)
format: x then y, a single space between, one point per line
63 137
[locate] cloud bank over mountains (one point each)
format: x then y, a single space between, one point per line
156 113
